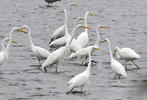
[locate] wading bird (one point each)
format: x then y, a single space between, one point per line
83 53
81 79
5 50
39 52
83 37
117 67
126 54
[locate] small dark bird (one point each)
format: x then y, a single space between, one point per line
50 2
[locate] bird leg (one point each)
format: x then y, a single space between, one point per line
126 65
115 76
81 89
69 91
56 66
84 61
45 69
135 64
119 76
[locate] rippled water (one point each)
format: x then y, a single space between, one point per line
21 80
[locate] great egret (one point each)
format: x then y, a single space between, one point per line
51 1
84 51
61 30
62 41
5 50
117 67
81 79
83 37
39 52
126 54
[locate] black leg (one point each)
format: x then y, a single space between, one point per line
135 64
45 69
69 91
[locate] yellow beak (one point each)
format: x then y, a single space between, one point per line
104 27
85 27
102 41
21 30
96 48
75 5
14 42
82 19
91 14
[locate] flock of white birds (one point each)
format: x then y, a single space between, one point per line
77 48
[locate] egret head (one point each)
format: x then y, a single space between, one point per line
115 51
88 13
7 39
80 18
25 29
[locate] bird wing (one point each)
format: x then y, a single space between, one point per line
42 52
59 32
82 39
118 68
78 80
128 53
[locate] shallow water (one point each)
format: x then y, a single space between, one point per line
21 80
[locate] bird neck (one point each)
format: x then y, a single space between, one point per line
9 42
98 37
65 23
86 30
89 64
110 52
2 44
30 37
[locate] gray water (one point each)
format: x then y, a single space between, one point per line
21 80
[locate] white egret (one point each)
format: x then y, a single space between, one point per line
83 53
83 37
61 30
126 54
5 50
39 52
81 79
62 41
117 67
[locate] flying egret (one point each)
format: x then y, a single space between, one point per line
39 52
61 30
5 50
83 53
117 67
83 37
81 79
126 54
